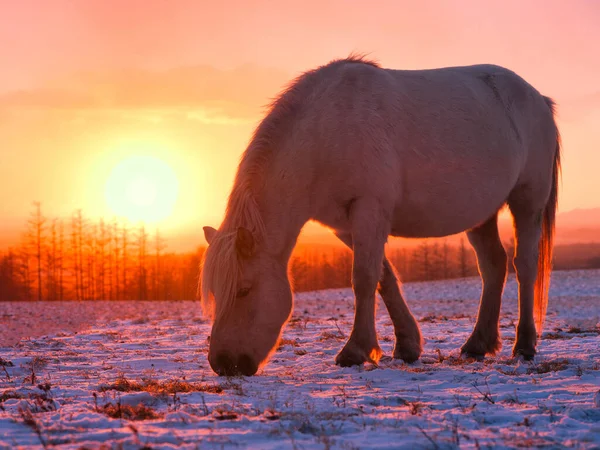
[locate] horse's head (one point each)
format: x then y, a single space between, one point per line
250 296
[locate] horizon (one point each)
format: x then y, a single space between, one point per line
577 226
83 93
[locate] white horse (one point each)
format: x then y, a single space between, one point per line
372 152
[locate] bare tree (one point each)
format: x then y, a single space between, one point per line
124 261
436 262
101 244
159 246
52 264
445 267
60 262
77 240
10 286
90 240
142 248
422 258
399 259
75 257
109 260
24 266
37 227
115 265
298 270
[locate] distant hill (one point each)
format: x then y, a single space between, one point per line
572 227
580 218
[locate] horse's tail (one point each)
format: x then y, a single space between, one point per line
546 245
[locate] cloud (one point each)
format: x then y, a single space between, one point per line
46 98
216 118
201 93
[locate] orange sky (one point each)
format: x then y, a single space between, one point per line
85 84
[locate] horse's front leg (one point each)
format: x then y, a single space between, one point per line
409 343
369 232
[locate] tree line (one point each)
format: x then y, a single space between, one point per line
317 267
80 259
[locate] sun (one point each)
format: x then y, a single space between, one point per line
142 188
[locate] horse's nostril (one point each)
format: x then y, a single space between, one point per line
246 365
223 364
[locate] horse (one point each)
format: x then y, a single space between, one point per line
371 152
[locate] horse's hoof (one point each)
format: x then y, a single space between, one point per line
352 355
479 344
409 348
525 343
526 354
469 351
408 355
345 359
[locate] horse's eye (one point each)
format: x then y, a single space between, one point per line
242 292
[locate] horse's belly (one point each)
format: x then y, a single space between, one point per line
442 220
452 191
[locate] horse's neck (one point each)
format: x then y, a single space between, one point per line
283 222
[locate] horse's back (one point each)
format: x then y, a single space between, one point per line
441 148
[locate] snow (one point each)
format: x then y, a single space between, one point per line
300 399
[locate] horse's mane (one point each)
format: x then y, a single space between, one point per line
221 266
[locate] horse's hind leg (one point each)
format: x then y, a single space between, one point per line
409 343
369 232
528 232
492 264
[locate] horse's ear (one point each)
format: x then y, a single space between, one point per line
209 234
244 242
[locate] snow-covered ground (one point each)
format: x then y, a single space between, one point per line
134 375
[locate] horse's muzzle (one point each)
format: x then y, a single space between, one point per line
225 364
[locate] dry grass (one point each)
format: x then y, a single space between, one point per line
432 318
549 366
10 394
416 408
328 335
440 355
33 366
226 416
417 369
140 321
127 412
570 333
555 336
6 363
510 372
225 412
122 384
462 360
283 342
577 330
29 420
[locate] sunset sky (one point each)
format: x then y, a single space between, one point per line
86 85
